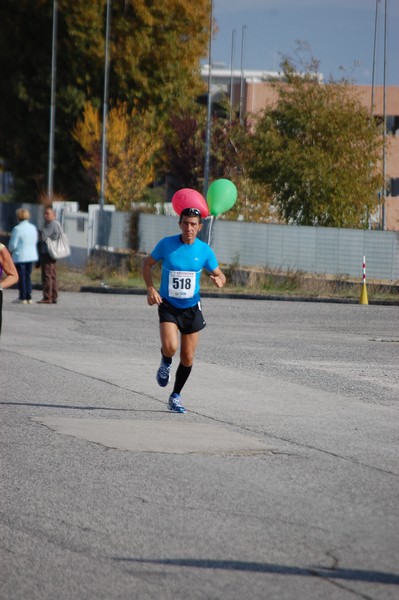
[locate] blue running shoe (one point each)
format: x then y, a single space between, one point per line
163 373
174 404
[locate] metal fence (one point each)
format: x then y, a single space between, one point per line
324 250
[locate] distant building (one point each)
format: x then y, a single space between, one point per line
251 91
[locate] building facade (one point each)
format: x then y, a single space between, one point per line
252 91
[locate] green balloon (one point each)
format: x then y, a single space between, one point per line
221 196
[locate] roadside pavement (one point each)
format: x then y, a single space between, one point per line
281 481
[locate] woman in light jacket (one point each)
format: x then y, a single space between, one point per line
23 247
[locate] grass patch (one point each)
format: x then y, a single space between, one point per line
126 273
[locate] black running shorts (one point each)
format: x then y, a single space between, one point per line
188 320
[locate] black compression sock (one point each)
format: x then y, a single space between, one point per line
166 359
182 374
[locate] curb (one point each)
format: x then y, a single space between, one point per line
235 296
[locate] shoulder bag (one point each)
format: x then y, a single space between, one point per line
58 248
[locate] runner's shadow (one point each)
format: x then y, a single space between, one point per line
312 571
69 407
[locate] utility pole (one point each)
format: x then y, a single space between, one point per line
244 27
384 156
209 110
233 38
50 177
374 54
104 127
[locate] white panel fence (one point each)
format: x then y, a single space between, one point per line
324 250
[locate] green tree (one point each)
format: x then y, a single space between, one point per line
231 157
24 57
155 49
318 149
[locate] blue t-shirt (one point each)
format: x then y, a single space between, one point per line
181 269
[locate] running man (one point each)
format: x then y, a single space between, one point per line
179 304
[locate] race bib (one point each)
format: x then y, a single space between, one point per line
181 284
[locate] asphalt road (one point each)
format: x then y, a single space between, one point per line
281 481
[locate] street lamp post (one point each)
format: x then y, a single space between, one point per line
104 125
209 110
50 177
384 151
233 37
244 27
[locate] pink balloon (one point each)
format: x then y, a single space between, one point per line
188 198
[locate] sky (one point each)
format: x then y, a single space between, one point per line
340 33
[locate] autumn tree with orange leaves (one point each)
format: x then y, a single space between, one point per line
155 51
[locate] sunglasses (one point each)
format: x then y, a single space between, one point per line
190 212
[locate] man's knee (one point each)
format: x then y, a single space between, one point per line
169 348
186 358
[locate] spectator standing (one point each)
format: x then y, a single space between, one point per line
52 230
23 247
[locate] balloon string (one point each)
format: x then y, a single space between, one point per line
210 231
